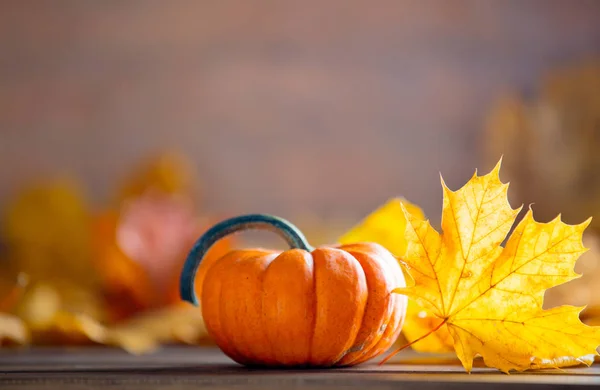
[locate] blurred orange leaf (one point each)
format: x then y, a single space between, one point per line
165 173
12 328
125 284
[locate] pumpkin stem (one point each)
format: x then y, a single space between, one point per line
285 229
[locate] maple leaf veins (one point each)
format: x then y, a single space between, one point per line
490 297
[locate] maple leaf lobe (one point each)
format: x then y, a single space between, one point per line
490 297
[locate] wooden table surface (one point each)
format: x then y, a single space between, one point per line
195 368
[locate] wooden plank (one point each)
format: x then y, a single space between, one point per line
183 368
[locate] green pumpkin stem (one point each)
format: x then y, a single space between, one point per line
292 235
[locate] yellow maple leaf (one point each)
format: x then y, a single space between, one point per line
386 226
489 297
417 322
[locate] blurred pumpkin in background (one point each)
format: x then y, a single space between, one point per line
551 157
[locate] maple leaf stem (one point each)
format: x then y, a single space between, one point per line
388 357
14 294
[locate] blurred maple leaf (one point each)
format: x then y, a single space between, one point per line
47 309
145 333
165 173
42 320
141 334
47 231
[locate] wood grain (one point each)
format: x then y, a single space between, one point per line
183 368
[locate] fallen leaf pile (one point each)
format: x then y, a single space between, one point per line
102 275
481 298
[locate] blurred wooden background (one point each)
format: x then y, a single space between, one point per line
326 107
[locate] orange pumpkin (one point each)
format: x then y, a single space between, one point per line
330 306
